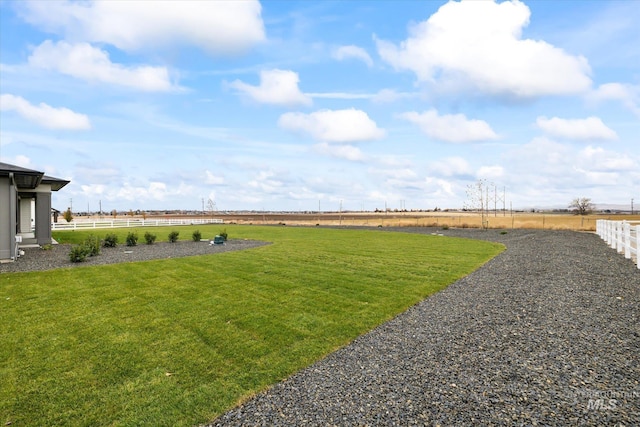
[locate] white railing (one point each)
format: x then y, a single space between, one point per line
121 223
622 236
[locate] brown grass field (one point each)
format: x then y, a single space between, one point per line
549 221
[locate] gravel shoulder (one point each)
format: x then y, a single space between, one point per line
546 333
36 259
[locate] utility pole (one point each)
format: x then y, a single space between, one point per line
504 203
71 205
632 206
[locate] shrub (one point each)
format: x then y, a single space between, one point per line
223 234
149 238
67 215
173 236
196 236
132 238
92 245
78 253
110 240
445 226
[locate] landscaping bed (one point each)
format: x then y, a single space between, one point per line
57 256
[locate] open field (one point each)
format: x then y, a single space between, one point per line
178 341
547 221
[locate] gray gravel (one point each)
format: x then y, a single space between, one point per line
547 333
58 256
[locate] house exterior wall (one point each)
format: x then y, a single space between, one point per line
25 215
43 218
8 201
5 214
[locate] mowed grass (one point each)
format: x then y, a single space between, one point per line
178 341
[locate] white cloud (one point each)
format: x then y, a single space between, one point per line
601 160
355 52
44 115
266 181
93 190
211 179
343 151
450 127
490 172
589 129
19 160
389 95
154 191
333 125
279 87
89 63
628 95
219 27
479 44
451 166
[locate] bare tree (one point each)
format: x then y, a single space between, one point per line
211 207
478 199
581 206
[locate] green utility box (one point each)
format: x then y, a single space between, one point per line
218 240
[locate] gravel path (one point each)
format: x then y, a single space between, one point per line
58 256
547 333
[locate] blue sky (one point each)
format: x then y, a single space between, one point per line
285 105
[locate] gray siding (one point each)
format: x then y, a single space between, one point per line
7 219
5 213
43 218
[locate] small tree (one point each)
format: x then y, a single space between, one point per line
581 206
67 215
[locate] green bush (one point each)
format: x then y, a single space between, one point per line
92 244
78 253
196 236
132 238
149 238
223 234
173 236
110 240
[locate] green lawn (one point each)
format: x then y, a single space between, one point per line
178 341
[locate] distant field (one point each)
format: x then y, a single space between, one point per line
176 342
552 221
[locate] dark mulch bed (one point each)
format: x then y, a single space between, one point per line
36 259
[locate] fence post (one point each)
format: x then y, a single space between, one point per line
627 239
620 237
638 246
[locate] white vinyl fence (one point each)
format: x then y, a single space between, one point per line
120 223
622 236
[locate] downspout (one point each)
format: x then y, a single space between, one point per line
13 223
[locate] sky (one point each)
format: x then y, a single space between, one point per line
323 105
